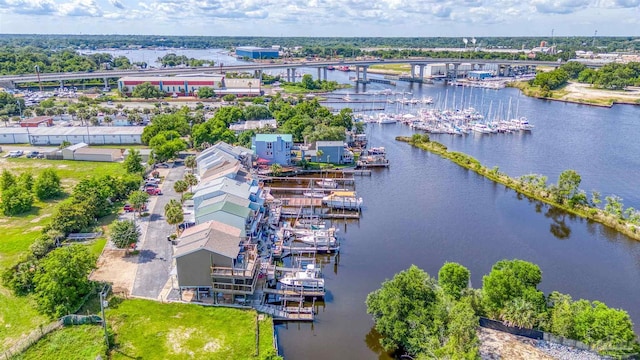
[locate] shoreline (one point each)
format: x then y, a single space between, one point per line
587 212
575 97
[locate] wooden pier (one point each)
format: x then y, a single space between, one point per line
295 189
358 172
288 313
301 202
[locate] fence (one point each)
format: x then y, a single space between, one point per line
497 325
31 339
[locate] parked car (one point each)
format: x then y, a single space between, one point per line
129 208
162 165
15 153
154 191
33 154
186 225
152 180
150 185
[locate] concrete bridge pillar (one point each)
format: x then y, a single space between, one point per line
288 75
293 74
106 83
61 84
455 70
319 74
325 73
357 74
364 73
413 70
421 71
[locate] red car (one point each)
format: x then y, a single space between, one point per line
154 191
129 208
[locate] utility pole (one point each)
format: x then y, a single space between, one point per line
37 68
103 304
593 44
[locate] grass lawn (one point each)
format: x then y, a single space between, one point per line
152 330
68 343
18 315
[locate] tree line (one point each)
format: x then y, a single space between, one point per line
613 43
437 318
613 76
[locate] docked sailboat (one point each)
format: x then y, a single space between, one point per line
308 279
343 200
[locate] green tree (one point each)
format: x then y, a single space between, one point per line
16 200
25 180
192 180
7 180
19 278
133 162
404 311
453 278
190 162
147 91
521 313
307 82
180 186
206 92
568 185
61 280
508 280
174 215
561 315
138 199
613 205
124 233
166 145
47 185
71 217
229 97
462 342
276 169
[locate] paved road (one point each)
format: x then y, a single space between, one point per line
154 262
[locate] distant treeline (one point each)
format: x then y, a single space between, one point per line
622 43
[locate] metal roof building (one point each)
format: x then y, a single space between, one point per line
92 135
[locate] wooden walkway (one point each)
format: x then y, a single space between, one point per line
296 293
301 201
288 313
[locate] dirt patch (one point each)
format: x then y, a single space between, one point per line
116 268
498 345
179 337
585 91
213 346
35 220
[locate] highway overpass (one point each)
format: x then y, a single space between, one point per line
49 77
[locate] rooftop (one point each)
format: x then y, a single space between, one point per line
225 197
36 120
203 77
75 130
213 236
273 137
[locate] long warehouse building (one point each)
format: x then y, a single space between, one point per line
93 135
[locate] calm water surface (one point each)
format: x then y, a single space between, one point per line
424 210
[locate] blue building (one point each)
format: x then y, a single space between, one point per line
253 52
332 151
274 148
479 75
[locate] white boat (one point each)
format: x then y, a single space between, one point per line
523 124
323 237
480 128
343 200
307 279
327 183
314 194
386 119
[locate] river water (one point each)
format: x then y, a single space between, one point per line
425 210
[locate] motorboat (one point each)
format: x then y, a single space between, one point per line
343 200
327 183
308 279
314 194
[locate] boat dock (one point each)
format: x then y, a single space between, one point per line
301 202
288 313
358 172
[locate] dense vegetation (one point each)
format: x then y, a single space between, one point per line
342 45
428 318
612 76
58 277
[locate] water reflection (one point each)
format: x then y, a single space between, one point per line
372 339
558 227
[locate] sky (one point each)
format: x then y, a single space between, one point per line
404 18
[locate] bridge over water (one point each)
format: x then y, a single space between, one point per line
360 66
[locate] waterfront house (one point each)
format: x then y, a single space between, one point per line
214 260
225 212
332 151
273 148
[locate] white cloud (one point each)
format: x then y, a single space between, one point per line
560 6
116 3
29 7
80 8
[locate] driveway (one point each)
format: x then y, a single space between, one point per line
154 261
